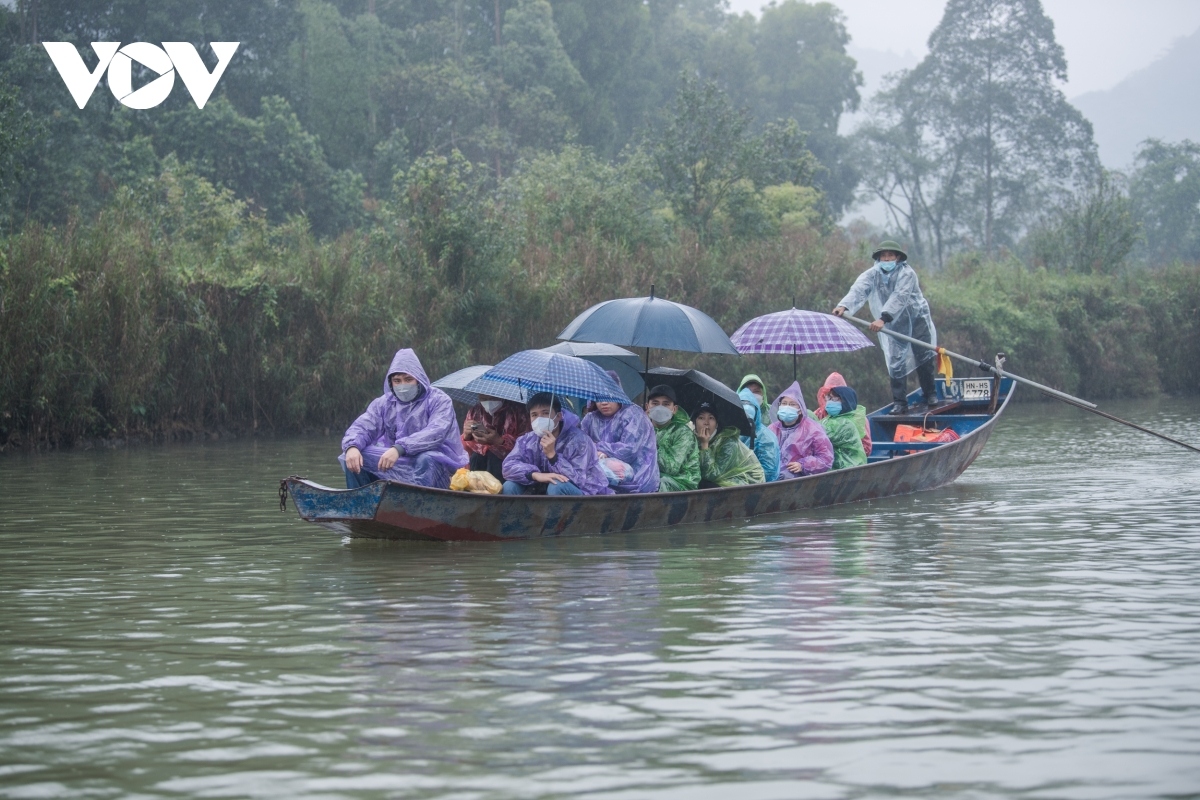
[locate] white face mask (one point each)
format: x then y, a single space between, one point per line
659 415
750 411
406 392
543 425
491 406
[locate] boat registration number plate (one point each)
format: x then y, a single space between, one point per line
977 389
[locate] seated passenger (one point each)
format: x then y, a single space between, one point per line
408 435
860 413
765 445
804 449
555 457
678 454
759 390
724 460
842 429
624 435
490 431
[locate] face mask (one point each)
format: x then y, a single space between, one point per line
887 266
406 392
750 410
659 415
491 406
788 415
833 408
543 425
757 396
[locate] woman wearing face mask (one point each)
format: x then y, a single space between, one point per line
490 431
841 428
860 414
764 443
804 449
408 435
678 454
555 457
894 293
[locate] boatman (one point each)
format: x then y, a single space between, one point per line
409 434
894 293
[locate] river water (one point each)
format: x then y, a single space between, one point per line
1031 631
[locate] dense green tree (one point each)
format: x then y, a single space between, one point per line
707 152
1165 190
1004 138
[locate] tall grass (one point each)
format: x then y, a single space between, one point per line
174 313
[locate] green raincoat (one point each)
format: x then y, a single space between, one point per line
728 462
844 435
766 407
678 455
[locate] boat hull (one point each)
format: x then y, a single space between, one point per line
385 510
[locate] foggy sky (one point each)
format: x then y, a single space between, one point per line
1104 40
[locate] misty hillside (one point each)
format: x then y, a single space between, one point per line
1158 101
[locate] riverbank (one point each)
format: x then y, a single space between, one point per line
175 315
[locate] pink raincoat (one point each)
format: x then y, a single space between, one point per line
804 443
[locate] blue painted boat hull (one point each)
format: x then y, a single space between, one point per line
384 510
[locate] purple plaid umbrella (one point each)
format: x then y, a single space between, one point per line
795 331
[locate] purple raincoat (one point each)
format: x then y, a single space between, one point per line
425 430
574 458
805 442
628 436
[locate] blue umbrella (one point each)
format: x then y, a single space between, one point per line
537 371
649 322
627 365
455 385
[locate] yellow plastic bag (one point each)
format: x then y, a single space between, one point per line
476 482
484 483
461 480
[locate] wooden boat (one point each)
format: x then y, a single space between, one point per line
385 510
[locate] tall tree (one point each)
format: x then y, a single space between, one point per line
1004 139
1165 189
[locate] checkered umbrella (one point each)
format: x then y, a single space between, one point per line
455 385
537 371
795 331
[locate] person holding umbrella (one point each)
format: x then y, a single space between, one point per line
626 442
678 454
804 447
556 457
892 289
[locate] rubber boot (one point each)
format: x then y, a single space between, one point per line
899 395
926 374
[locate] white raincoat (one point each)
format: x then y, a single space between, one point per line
899 295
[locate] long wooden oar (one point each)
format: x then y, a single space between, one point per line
1046 390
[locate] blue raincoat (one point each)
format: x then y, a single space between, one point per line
628 436
765 445
575 459
895 298
425 431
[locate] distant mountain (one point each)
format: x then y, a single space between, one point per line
1159 101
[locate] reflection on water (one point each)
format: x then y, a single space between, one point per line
1032 630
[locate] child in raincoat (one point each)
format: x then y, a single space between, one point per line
892 289
624 435
860 413
724 460
804 448
678 453
841 428
408 435
764 443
